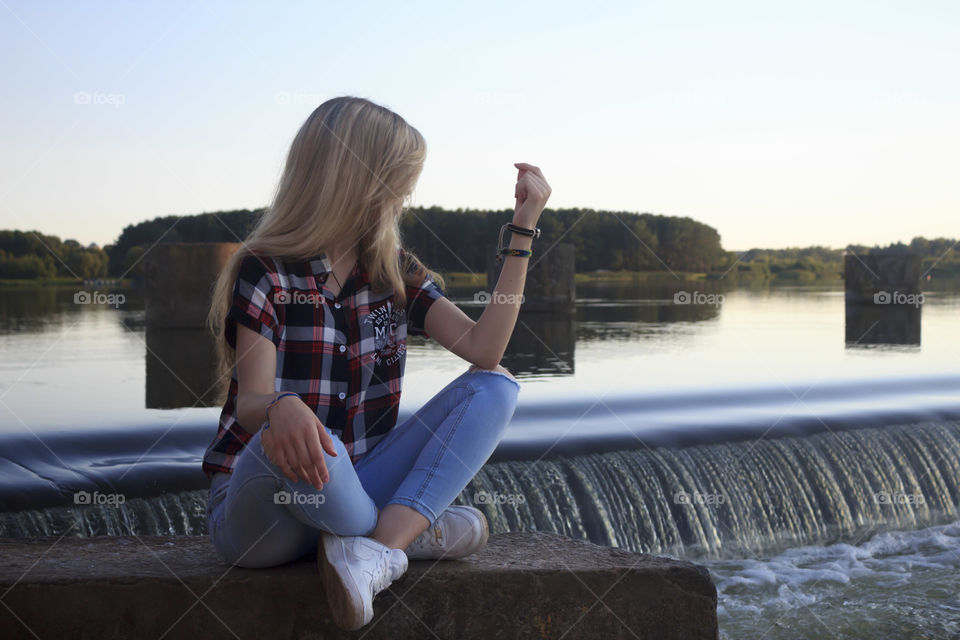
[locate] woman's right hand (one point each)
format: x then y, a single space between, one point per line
296 440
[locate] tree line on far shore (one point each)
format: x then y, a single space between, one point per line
31 255
460 240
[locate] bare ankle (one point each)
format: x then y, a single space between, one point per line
398 526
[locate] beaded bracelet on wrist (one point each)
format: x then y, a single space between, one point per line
266 411
506 251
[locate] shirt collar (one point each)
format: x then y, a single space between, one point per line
322 266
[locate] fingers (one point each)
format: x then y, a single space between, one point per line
279 460
300 454
325 440
293 464
523 166
536 182
298 460
274 455
302 461
317 466
304 473
530 186
533 175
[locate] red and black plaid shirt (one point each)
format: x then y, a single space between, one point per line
344 355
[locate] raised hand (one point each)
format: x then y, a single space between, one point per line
531 194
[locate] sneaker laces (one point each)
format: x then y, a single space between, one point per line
423 540
381 576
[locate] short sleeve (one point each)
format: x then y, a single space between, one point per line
419 301
253 301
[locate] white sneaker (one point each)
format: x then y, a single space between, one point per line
355 569
459 531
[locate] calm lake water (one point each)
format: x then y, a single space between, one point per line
94 359
732 356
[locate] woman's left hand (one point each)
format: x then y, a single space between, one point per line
531 193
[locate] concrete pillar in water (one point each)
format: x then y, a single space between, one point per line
883 299
179 280
550 287
181 364
181 369
874 278
550 282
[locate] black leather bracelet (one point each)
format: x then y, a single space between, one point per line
532 233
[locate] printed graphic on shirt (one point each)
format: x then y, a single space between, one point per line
385 320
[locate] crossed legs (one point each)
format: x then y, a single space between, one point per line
259 518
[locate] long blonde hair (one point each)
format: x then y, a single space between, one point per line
349 172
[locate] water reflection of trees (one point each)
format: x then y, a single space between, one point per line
50 308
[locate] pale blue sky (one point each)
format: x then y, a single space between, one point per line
780 124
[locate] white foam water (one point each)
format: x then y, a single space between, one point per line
899 584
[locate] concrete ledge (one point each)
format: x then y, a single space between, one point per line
523 585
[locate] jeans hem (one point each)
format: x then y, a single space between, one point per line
417 506
496 373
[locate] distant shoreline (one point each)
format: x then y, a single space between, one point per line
13 283
465 278
458 278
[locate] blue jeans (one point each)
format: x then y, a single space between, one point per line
258 518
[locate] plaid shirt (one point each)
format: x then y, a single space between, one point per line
344 355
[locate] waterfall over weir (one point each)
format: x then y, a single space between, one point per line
730 498
704 500
169 514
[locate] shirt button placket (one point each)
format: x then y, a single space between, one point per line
343 347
